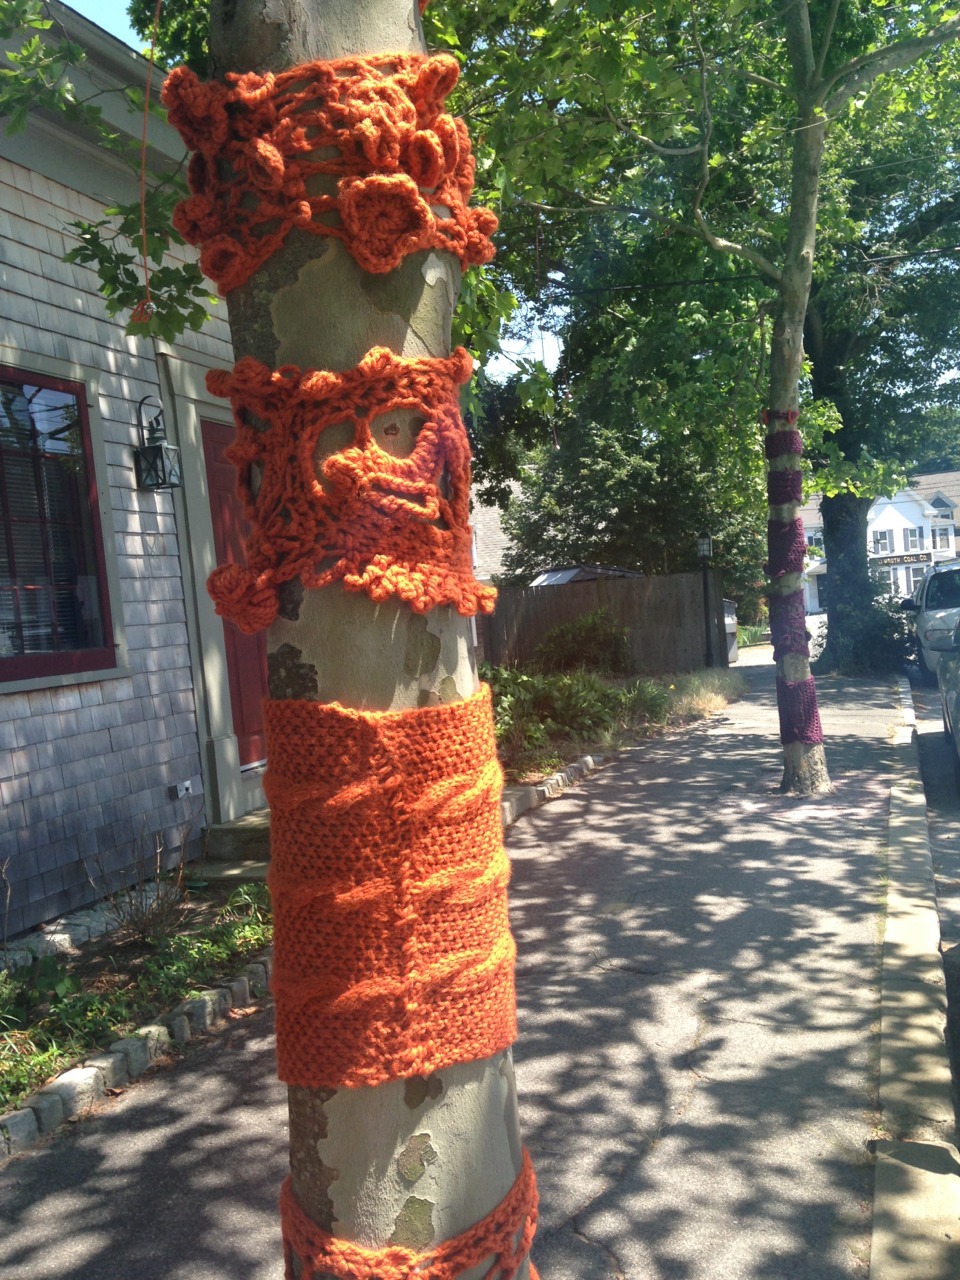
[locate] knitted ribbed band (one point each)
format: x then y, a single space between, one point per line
392 955
780 415
505 1234
359 149
799 713
784 486
788 625
779 443
786 548
386 525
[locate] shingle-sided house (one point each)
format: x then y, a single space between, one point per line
119 685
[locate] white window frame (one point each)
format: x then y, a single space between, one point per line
940 537
882 542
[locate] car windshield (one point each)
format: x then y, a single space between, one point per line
943 591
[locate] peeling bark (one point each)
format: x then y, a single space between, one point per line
804 763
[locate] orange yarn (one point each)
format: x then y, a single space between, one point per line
378 523
393 954
262 147
497 1234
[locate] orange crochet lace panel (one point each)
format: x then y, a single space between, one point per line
392 955
270 151
506 1234
389 526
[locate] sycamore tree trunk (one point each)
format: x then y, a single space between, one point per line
830 351
848 576
411 1162
804 759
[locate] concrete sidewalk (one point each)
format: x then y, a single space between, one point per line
700 1071
702 1081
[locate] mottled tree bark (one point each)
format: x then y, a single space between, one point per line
411 1162
848 574
804 762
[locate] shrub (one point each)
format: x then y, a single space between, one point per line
751 633
646 702
595 641
873 639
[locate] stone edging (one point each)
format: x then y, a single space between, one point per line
916 1206
74 1091
520 799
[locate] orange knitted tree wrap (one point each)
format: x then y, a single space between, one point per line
392 955
357 148
505 1233
376 522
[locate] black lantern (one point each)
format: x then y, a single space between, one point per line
156 462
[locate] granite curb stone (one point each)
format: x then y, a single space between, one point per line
18 1130
916 1202
75 1091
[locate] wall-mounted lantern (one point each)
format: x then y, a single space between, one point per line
156 462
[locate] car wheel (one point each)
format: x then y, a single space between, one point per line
926 675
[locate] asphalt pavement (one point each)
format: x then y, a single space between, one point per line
702 985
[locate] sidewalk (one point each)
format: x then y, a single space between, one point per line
699 1065
700 996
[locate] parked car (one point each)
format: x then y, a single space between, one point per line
948 679
936 608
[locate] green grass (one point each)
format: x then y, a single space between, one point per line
55 1012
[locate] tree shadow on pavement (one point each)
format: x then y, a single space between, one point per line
177 1179
698 967
697 982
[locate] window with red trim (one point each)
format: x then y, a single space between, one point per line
54 613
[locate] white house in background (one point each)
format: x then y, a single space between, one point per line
905 535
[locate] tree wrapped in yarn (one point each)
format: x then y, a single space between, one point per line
399 179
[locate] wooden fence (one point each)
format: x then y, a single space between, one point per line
664 617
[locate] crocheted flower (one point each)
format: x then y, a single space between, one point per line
240 597
253 108
224 261
482 224
376 117
385 218
196 218
425 159
196 109
466 164
251 88
265 165
445 129
435 80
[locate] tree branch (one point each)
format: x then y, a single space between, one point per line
863 70
827 37
942 214
800 45
702 231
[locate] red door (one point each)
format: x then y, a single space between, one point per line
246 655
